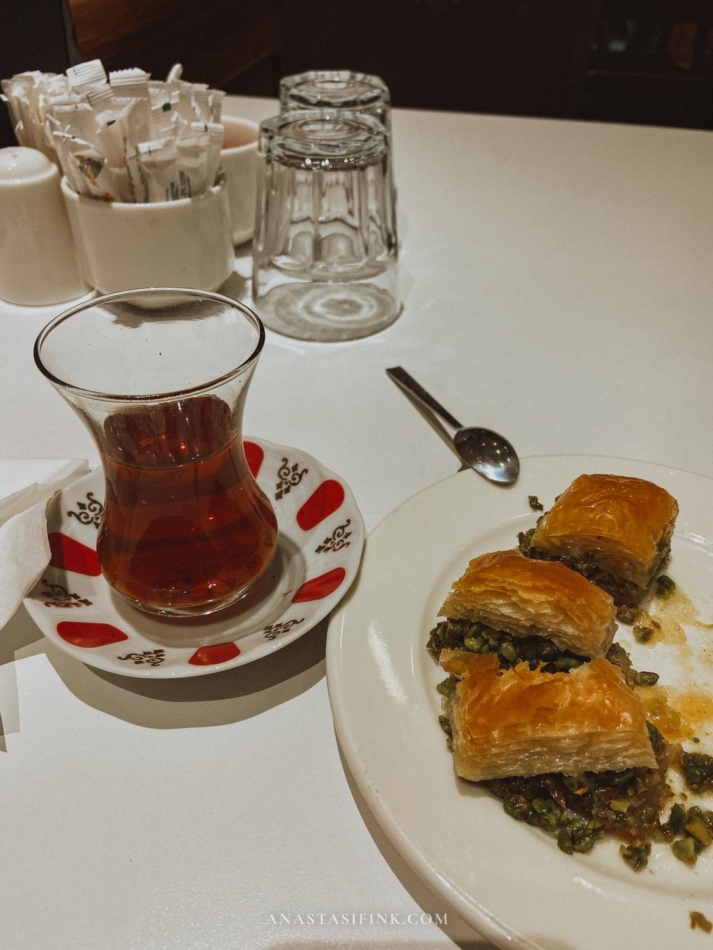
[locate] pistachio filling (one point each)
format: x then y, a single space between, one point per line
477 637
626 594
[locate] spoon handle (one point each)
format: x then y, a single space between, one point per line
409 384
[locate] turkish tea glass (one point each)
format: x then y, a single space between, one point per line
159 377
325 247
337 89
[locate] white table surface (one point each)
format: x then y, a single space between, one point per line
557 281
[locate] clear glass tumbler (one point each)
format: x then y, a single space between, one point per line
337 89
325 247
340 89
160 377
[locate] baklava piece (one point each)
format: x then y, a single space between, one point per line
524 722
614 530
504 596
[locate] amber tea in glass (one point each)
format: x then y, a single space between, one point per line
186 529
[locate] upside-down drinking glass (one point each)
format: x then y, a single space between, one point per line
160 377
332 89
325 245
337 89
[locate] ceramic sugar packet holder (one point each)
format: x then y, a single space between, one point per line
123 246
183 243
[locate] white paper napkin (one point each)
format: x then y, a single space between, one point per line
26 485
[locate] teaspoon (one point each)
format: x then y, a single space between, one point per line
484 451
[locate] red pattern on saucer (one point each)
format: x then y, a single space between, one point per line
255 456
89 635
217 653
320 540
322 503
320 587
72 555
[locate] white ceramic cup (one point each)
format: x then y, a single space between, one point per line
38 261
124 246
238 160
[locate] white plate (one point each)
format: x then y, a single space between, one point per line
317 559
508 880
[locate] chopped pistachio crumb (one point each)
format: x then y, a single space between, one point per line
636 857
643 634
664 586
646 679
447 686
685 850
697 770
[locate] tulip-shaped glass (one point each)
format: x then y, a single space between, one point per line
159 377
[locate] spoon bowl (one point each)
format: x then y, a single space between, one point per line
490 454
486 452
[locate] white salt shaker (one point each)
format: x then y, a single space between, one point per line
38 261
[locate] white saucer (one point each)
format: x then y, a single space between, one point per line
321 537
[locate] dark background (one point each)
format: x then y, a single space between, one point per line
636 61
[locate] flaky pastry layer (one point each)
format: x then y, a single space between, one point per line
617 524
526 722
525 597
